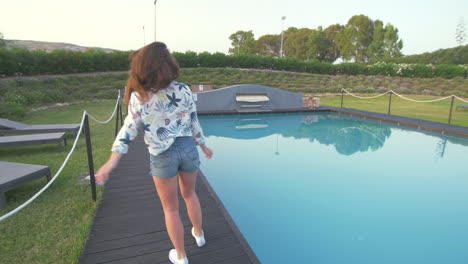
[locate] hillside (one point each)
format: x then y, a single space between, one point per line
457 55
49 46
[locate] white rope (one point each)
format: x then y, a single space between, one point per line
17 209
461 99
110 118
419 101
401 96
370 97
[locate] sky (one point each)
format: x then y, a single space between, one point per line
205 25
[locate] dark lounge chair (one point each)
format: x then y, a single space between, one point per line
16 174
8 127
34 139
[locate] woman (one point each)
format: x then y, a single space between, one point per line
166 111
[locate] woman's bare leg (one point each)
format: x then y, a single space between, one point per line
187 181
167 191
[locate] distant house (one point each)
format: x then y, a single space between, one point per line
196 88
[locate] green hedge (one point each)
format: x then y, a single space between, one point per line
16 62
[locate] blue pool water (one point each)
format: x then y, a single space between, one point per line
326 188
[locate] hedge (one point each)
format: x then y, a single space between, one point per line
17 62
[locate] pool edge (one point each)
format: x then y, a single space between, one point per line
406 121
398 120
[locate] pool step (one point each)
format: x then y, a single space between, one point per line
254 110
252 107
251 119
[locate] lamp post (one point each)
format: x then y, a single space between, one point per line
282 29
155 19
277 152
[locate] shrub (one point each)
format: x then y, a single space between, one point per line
450 71
380 68
422 70
13 109
350 69
215 60
17 62
188 59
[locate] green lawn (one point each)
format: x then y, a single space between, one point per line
54 227
437 111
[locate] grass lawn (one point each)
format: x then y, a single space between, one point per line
437 111
54 227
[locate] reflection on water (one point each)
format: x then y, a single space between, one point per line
347 135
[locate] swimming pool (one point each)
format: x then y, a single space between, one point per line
327 188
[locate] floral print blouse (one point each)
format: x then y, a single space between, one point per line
170 113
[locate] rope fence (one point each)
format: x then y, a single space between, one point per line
83 125
391 92
117 104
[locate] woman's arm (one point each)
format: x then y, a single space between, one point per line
197 131
127 133
129 130
208 152
103 173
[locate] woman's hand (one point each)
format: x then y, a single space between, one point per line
103 173
208 152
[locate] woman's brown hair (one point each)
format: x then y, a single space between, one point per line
152 68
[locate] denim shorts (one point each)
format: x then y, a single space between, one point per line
182 155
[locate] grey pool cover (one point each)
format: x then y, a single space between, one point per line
228 99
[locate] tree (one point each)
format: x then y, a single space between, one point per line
355 38
2 42
376 50
460 33
296 44
268 45
392 44
317 45
243 42
286 34
330 32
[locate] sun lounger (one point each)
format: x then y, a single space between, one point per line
8 127
35 139
16 174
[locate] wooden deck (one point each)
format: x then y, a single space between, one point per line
129 223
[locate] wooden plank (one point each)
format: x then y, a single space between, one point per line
237 260
212 233
162 246
215 256
224 246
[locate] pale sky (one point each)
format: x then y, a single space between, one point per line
205 25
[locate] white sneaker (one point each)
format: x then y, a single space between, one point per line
174 259
200 240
